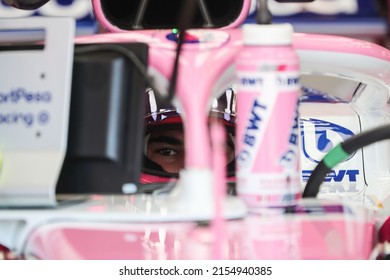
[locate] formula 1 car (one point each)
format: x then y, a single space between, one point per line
71 141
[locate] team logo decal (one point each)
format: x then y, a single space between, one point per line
319 137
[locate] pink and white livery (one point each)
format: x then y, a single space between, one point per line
166 226
267 128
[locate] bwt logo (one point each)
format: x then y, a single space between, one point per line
251 81
334 175
251 136
319 137
289 158
287 81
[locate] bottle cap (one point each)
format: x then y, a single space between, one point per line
267 34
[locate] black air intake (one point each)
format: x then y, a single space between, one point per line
160 14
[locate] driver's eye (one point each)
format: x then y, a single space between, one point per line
167 152
164 153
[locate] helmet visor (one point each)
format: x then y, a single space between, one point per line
164 134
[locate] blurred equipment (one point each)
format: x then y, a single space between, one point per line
80 10
70 125
106 119
361 19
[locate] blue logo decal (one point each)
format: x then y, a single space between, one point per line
43 117
319 137
334 175
14 118
251 81
316 96
20 94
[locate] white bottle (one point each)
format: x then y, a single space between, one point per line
267 123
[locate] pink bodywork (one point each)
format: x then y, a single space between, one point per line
298 236
281 237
